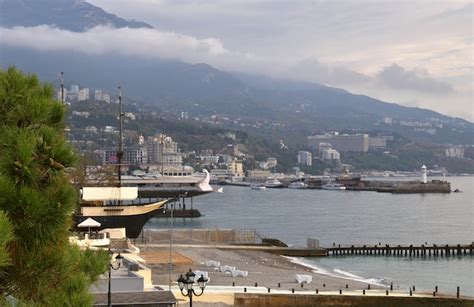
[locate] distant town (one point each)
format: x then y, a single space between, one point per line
93 116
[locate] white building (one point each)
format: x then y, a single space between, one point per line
305 158
60 95
455 152
98 95
130 115
106 97
210 159
163 150
83 94
330 154
74 88
272 162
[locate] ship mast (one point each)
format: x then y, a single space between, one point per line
120 141
62 87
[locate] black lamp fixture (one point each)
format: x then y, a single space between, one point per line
186 285
118 261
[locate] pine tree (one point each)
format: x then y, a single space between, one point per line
40 265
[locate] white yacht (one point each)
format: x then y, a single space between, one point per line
333 186
297 185
257 187
273 184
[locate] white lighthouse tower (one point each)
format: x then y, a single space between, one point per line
423 174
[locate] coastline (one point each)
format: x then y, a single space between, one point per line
264 269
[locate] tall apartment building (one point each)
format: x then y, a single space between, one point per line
330 154
83 94
235 168
162 149
98 95
305 158
341 142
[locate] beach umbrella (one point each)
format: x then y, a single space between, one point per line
89 222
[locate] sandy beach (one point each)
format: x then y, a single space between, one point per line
264 269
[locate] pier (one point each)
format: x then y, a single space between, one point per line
403 250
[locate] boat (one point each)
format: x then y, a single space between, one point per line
333 186
117 207
297 185
156 185
273 184
258 187
135 199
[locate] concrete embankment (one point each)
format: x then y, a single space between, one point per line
293 300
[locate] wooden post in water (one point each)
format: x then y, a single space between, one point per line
457 292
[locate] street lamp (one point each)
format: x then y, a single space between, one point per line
186 285
118 260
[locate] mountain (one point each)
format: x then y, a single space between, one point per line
74 15
203 90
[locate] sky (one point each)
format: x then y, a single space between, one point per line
415 53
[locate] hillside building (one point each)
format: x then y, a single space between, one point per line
162 149
455 152
98 95
330 155
341 142
132 156
235 169
305 158
83 94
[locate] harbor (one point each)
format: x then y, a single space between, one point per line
349 182
347 218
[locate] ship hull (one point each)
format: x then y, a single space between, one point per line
132 218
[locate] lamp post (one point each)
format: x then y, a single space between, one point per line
171 245
186 285
118 260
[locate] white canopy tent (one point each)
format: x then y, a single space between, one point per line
89 222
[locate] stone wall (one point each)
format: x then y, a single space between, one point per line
295 300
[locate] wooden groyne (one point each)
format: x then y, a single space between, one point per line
403 250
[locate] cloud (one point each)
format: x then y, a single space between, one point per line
125 41
397 77
315 71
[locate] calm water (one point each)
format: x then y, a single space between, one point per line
347 217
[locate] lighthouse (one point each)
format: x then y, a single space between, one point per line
423 174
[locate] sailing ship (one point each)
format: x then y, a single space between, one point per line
135 199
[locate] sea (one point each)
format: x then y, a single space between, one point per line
351 218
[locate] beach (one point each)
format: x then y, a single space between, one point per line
264 269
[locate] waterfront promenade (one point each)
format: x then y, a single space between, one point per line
268 274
